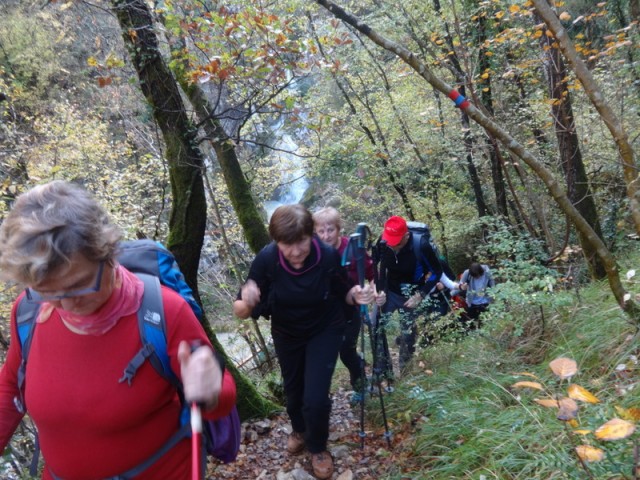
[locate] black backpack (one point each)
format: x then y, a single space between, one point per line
418 231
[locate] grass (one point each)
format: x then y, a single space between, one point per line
458 417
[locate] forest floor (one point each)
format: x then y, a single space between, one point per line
263 455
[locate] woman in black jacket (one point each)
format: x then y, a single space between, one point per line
298 282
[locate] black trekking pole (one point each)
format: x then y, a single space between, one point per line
383 365
364 313
352 252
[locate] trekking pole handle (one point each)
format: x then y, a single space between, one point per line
357 252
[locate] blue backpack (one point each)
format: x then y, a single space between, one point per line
154 265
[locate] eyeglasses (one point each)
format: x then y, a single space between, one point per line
37 297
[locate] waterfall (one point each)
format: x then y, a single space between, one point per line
292 174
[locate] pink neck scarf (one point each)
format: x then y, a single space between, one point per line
125 299
290 270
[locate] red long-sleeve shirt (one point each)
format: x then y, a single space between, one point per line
91 426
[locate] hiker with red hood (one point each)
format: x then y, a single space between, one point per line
410 280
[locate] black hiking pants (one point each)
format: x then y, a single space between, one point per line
348 352
307 367
408 331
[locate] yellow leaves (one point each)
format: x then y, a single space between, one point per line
499 15
484 76
527 384
567 407
615 429
587 453
537 34
576 392
547 402
565 16
92 62
514 9
632 414
564 367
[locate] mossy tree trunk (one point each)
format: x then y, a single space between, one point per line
189 209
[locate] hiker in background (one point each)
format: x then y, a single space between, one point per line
297 281
474 283
410 280
328 226
59 242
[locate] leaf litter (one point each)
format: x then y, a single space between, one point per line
263 455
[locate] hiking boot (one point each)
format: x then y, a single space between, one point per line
295 442
322 465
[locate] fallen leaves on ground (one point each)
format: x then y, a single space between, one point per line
263 455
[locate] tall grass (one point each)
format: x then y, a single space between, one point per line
459 416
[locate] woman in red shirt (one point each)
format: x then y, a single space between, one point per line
60 242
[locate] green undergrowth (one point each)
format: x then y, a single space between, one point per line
457 415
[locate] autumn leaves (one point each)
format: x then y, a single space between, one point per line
567 405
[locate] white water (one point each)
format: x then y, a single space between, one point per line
292 173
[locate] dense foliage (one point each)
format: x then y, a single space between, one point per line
298 93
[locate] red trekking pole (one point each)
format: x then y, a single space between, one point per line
196 434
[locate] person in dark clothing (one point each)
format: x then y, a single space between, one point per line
410 281
299 283
328 225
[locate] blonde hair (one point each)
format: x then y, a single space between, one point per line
328 215
47 225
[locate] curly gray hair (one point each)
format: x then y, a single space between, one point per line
47 225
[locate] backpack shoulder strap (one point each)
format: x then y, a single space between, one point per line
417 250
26 315
152 326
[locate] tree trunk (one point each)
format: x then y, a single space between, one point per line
634 10
578 188
486 97
624 301
591 88
472 171
189 210
243 202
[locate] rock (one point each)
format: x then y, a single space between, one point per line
346 475
251 436
262 427
340 451
295 474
